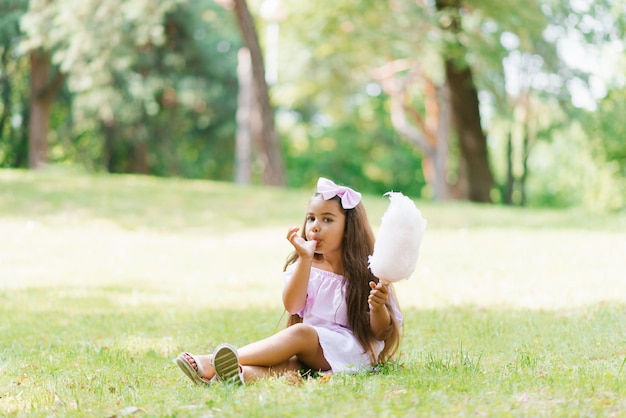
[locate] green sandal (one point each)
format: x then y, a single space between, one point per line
225 362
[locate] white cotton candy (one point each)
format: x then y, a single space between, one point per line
397 245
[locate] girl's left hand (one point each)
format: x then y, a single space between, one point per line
378 296
303 247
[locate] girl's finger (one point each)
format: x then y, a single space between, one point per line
291 231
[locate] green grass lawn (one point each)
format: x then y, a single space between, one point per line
105 279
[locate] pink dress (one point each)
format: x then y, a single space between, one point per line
326 311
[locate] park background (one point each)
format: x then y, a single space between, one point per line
515 103
152 156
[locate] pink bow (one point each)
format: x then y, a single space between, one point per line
328 190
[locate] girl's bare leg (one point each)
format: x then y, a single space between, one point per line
252 373
298 340
273 355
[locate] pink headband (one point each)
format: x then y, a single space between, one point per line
328 190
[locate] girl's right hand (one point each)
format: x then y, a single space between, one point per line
303 247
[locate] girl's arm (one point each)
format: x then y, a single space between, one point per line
380 319
294 293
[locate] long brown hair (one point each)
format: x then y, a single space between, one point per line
357 246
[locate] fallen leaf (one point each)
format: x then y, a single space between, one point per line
326 378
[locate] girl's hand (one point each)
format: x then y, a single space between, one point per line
378 296
304 248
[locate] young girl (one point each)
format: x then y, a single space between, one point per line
343 319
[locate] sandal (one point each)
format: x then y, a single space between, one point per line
194 373
225 362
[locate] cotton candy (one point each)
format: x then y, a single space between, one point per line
397 246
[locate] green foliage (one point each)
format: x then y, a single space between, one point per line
494 34
606 132
347 40
13 87
570 163
12 11
366 153
153 86
343 42
186 119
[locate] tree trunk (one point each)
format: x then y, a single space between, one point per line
43 90
139 146
271 155
140 157
524 176
243 139
465 108
429 132
442 189
510 178
472 140
5 90
20 158
109 155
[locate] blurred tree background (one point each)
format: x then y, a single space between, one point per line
516 103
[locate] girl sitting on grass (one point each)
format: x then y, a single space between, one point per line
343 319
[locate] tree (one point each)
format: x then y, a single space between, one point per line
46 78
432 132
243 147
454 44
419 114
173 104
80 46
13 87
45 84
539 96
263 129
465 105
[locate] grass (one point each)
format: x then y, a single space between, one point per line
105 279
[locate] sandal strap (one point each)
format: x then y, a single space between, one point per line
193 373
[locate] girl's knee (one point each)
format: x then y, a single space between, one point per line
303 331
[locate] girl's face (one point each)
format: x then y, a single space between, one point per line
325 223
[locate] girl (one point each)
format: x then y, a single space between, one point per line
343 319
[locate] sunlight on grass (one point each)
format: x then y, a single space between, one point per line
535 269
543 269
155 234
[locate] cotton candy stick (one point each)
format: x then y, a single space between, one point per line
397 245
